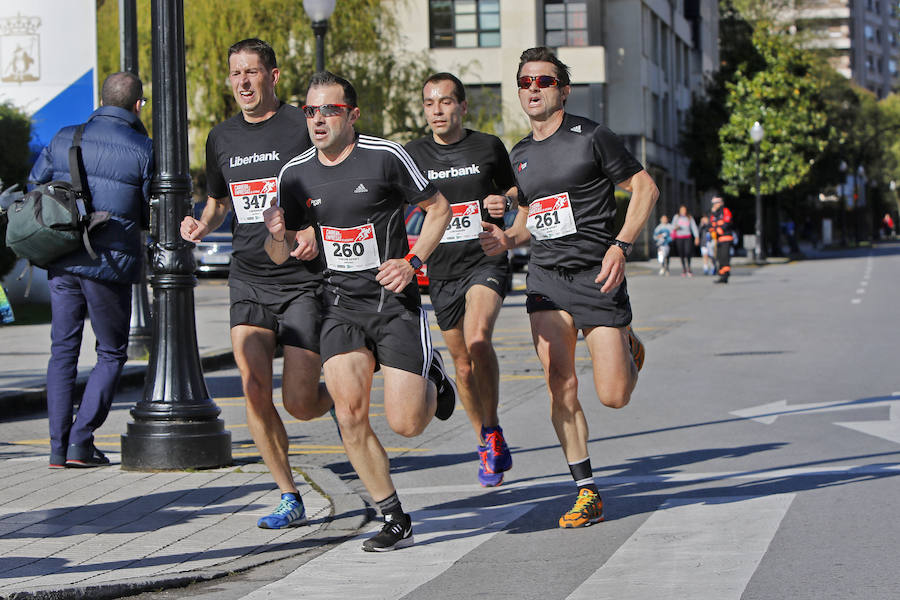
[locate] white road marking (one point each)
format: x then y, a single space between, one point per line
856 301
861 291
699 548
442 537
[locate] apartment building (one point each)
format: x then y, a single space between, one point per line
635 65
861 37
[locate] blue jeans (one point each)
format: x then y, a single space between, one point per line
108 305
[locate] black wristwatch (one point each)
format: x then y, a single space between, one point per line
625 246
414 261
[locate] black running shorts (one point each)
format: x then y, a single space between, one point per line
292 310
448 296
576 293
399 340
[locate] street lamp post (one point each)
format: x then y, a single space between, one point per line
843 207
857 189
140 334
319 12
756 134
176 424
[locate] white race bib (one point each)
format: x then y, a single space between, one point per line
351 249
465 224
251 198
551 217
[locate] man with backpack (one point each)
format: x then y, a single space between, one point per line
118 162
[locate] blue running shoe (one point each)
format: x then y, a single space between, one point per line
290 513
336 424
498 458
486 477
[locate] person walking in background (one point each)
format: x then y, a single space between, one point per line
118 162
887 226
723 234
662 235
685 236
707 252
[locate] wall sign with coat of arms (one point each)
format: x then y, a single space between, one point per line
20 49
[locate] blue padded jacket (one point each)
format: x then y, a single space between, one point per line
118 159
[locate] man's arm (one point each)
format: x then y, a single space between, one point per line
495 241
194 230
498 204
643 197
396 273
280 243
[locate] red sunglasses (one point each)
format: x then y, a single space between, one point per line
543 81
327 110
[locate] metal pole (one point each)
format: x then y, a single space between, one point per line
319 29
176 424
760 241
140 335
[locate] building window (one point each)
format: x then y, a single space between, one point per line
892 67
565 23
464 23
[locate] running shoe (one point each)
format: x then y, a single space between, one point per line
393 536
290 513
588 510
446 387
57 461
498 457
487 477
336 424
637 347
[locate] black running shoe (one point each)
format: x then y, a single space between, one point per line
446 387
393 536
81 457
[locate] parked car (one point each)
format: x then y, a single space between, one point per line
414 219
212 255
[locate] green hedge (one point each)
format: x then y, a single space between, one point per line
15 131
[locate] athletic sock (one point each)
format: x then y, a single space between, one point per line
583 475
390 507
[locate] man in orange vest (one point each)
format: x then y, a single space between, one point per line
720 222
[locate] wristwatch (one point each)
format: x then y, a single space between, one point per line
414 261
625 246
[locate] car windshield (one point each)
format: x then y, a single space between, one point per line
414 221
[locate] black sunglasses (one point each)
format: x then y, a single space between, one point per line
543 81
327 110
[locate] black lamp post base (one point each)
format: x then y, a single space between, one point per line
175 445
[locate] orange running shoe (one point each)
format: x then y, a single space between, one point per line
637 347
588 510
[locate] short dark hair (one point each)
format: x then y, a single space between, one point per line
544 54
260 48
459 89
323 78
122 89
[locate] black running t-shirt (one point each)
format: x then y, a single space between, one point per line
465 172
567 182
242 163
358 207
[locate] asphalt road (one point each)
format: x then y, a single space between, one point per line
757 460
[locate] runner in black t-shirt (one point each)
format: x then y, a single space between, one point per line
467 287
354 189
566 171
243 157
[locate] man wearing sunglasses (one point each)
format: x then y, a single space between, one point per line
269 302
567 170
354 189
467 287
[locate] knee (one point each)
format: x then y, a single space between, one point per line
480 347
617 398
256 390
562 386
300 401
463 367
353 421
406 426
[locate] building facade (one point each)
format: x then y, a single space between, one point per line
861 37
636 65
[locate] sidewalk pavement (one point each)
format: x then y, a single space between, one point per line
105 532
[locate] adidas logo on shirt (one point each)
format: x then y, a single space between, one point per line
360 189
576 129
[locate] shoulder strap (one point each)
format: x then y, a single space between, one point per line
76 171
82 191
